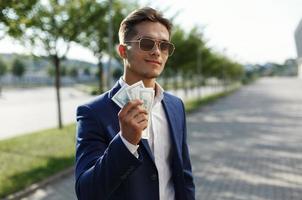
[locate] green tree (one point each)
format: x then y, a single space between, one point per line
63 71
167 74
3 70
117 73
191 70
18 68
73 72
87 71
13 16
234 71
51 71
188 52
177 60
95 35
193 60
50 28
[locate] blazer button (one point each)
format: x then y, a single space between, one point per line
153 177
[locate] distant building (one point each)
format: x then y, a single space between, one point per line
298 38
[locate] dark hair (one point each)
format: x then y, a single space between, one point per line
127 27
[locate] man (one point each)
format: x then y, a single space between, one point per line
112 159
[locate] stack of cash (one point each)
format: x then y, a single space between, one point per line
136 91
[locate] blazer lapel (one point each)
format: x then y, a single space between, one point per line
114 90
173 121
147 148
113 109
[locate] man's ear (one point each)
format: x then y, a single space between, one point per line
122 50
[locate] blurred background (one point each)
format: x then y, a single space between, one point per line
58 54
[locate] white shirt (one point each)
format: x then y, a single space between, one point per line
160 144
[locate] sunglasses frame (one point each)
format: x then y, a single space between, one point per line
156 42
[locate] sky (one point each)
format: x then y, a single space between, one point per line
247 31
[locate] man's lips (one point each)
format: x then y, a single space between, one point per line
153 61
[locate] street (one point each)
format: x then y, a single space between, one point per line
26 110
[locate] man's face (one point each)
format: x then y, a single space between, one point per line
141 64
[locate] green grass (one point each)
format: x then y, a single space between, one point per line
194 104
27 159
90 88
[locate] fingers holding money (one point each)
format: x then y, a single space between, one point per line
138 110
133 119
141 118
133 92
131 109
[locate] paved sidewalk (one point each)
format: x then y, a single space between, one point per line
61 189
246 146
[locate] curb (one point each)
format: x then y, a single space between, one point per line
32 188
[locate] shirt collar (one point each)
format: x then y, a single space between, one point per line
159 93
159 90
122 82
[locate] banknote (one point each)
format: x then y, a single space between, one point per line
145 133
121 98
147 96
133 90
136 91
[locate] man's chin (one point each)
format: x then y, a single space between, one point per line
152 76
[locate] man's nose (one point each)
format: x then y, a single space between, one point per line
156 49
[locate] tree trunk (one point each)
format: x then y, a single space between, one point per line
0 87
100 76
199 85
165 82
175 81
184 83
56 61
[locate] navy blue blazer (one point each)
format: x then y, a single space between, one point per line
105 168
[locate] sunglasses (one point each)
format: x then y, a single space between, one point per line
147 44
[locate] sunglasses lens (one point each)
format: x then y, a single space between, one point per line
146 44
166 46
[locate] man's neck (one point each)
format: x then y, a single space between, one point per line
148 83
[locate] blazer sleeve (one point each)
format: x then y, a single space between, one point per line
187 169
101 165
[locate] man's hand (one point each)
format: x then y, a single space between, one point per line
133 119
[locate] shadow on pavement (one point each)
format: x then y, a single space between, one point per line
248 146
